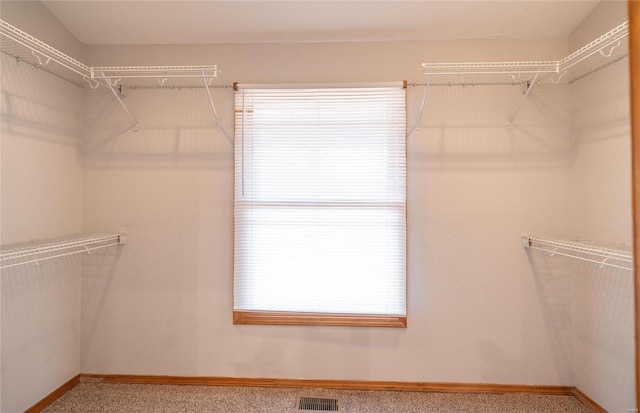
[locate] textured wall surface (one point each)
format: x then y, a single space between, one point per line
474 187
41 197
603 321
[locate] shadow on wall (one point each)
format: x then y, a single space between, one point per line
460 126
553 277
467 127
603 324
600 105
27 108
177 129
98 270
589 315
40 328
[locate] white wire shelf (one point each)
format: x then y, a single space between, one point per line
482 73
599 52
29 49
160 76
601 256
607 48
36 252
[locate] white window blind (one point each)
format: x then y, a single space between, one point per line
320 201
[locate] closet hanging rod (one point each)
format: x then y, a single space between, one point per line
611 62
598 255
43 251
35 65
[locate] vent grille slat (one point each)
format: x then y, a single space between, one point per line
318 404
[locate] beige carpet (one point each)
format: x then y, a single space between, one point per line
114 398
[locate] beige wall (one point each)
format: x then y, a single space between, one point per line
603 321
480 309
475 186
41 197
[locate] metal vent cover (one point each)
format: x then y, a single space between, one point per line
318 404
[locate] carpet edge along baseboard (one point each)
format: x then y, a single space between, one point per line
317 383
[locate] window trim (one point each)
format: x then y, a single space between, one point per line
243 317
317 319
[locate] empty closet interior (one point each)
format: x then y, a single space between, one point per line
117 176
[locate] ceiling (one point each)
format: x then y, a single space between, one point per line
197 22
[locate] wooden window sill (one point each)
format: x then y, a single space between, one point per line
312 319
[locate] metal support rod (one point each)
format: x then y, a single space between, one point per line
108 82
213 106
424 100
526 94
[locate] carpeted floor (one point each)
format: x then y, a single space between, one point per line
115 398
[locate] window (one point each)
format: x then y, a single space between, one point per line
320 206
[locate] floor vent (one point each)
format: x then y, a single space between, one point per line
318 405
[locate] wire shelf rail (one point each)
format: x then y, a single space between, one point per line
145 77
14 255
160 71
26 47
592 55
482 73
601 256
612 39
588 59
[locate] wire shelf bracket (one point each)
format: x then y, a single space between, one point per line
119 75
600 256
119 99
424 101
213 106
530 86
12 256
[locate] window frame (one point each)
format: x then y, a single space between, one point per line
257 317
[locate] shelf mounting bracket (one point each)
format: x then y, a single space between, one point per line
424 100
110 86
213 106
526 94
